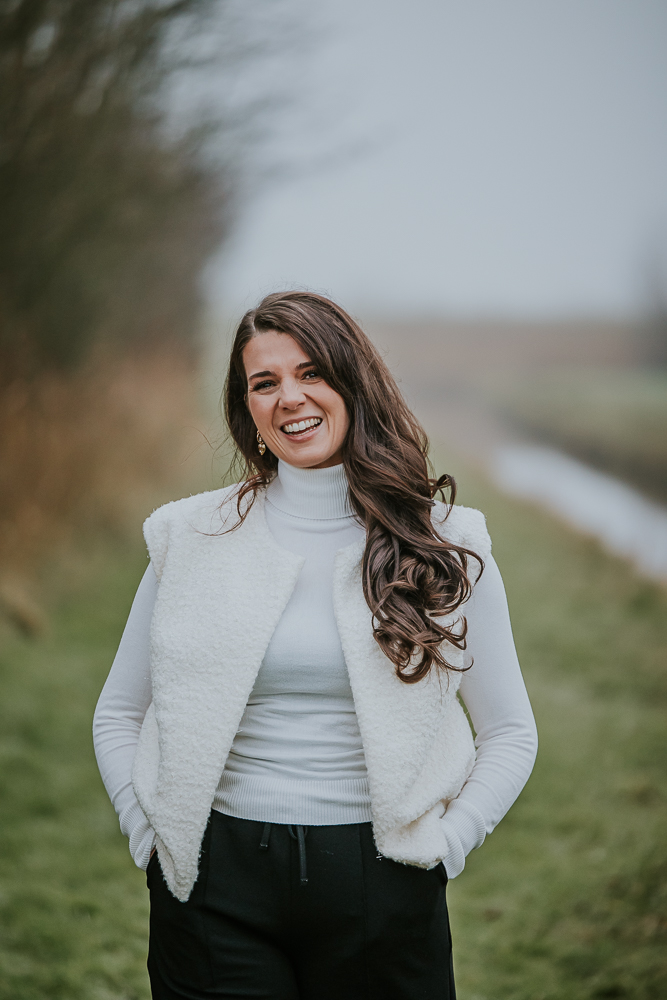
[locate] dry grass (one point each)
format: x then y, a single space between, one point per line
90 449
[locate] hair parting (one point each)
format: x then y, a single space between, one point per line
413 579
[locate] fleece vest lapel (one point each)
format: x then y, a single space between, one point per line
220 599
397 721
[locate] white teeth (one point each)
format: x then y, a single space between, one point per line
302 425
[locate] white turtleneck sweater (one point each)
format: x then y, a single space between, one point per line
298 755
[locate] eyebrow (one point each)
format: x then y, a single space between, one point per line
304 364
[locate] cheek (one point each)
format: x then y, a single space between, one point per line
257 411
340 415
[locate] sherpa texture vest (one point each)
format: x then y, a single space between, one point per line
220 596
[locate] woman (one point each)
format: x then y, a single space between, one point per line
280 732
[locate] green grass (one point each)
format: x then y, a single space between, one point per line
613 418
566 900
73 907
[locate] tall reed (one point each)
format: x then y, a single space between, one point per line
87 449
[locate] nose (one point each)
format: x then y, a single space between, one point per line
291 394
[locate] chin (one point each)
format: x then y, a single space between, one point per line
305 461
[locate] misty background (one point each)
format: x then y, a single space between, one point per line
465 159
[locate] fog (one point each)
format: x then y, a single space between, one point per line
463 158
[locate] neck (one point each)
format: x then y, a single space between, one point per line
319 494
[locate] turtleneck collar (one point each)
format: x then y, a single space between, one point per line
318 494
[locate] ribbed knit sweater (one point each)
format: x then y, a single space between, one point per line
298 756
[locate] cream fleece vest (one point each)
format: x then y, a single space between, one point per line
220 596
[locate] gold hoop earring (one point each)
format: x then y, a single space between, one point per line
261 447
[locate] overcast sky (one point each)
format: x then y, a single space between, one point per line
478 157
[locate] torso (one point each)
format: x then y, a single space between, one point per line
298 755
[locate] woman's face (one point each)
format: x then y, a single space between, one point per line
284 391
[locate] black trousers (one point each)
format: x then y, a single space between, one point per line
300 913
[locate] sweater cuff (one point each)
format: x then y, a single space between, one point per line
464 828
135 825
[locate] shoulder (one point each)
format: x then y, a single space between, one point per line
194 509
204 512
464 526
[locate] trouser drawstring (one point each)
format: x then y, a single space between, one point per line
300 837
298 833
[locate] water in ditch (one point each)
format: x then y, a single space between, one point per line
626 522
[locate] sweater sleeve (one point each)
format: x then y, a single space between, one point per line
495 696
119 716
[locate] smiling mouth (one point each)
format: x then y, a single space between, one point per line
301 426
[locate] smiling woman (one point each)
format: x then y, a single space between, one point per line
280 732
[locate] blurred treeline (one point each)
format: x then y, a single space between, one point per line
109 211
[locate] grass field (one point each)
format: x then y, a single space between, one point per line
73 911
566 900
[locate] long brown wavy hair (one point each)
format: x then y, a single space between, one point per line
411 575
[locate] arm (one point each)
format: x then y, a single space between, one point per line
119 715
495 696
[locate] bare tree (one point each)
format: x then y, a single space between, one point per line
107 219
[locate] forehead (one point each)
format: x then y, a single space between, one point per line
272 351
